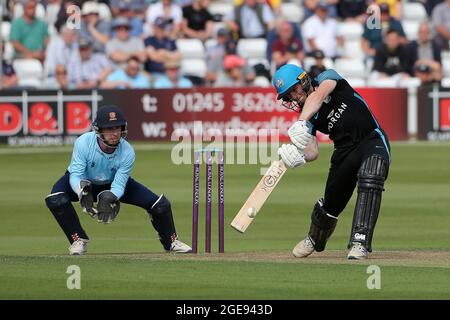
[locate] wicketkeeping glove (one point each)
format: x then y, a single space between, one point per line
300 133
108 207
86 198
291 156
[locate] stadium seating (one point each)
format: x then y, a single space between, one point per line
308 62
413 11
29 72
6 28
411 28
350 68
410 83
353 49
356 82
191 48
350 30
261 81
193 67
292 11
104 12
220 8
252 48
446 82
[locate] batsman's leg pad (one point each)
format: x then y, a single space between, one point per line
162 220
66 216
371 177
322 226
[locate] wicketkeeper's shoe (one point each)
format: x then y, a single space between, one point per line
78 247
358 252
179 247
304 248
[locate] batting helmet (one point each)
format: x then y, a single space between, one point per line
285 79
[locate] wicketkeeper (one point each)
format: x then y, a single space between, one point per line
99 179
361 156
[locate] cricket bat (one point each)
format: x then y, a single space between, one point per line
259 196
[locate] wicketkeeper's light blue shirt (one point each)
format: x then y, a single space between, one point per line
91 163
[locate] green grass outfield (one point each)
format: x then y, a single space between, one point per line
125 260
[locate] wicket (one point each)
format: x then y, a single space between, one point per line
220 198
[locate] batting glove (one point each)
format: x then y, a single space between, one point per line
291 156
300 133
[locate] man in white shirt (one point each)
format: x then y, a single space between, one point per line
61 49
320 32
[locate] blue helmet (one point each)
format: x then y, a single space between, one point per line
286 77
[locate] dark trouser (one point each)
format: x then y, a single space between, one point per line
345 164
365 165
135 194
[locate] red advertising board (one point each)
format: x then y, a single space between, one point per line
44 117
444 114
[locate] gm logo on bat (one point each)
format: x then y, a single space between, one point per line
271 178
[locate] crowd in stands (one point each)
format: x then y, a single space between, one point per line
119 44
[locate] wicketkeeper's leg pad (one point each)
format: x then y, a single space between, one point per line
162 220
62 209
322 226
371 177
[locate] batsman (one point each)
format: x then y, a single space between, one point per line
361 156
100 169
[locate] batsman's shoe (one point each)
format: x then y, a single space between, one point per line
358 252
179 247
78 247
304 248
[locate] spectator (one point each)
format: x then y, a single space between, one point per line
441 24
215 54
197 21
60 49
65 12
428 72
352 10
373 34
122 46
429 5
87 69
159 48
129 11
235 74
275 5
17 9
131 77
287 49
391 59
115 5
170 12
320 32
424 48
51 15
310 7
272 35
93 27
318 67
172 78
29 35
252 19
59 80
9 78
395 7
5 10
